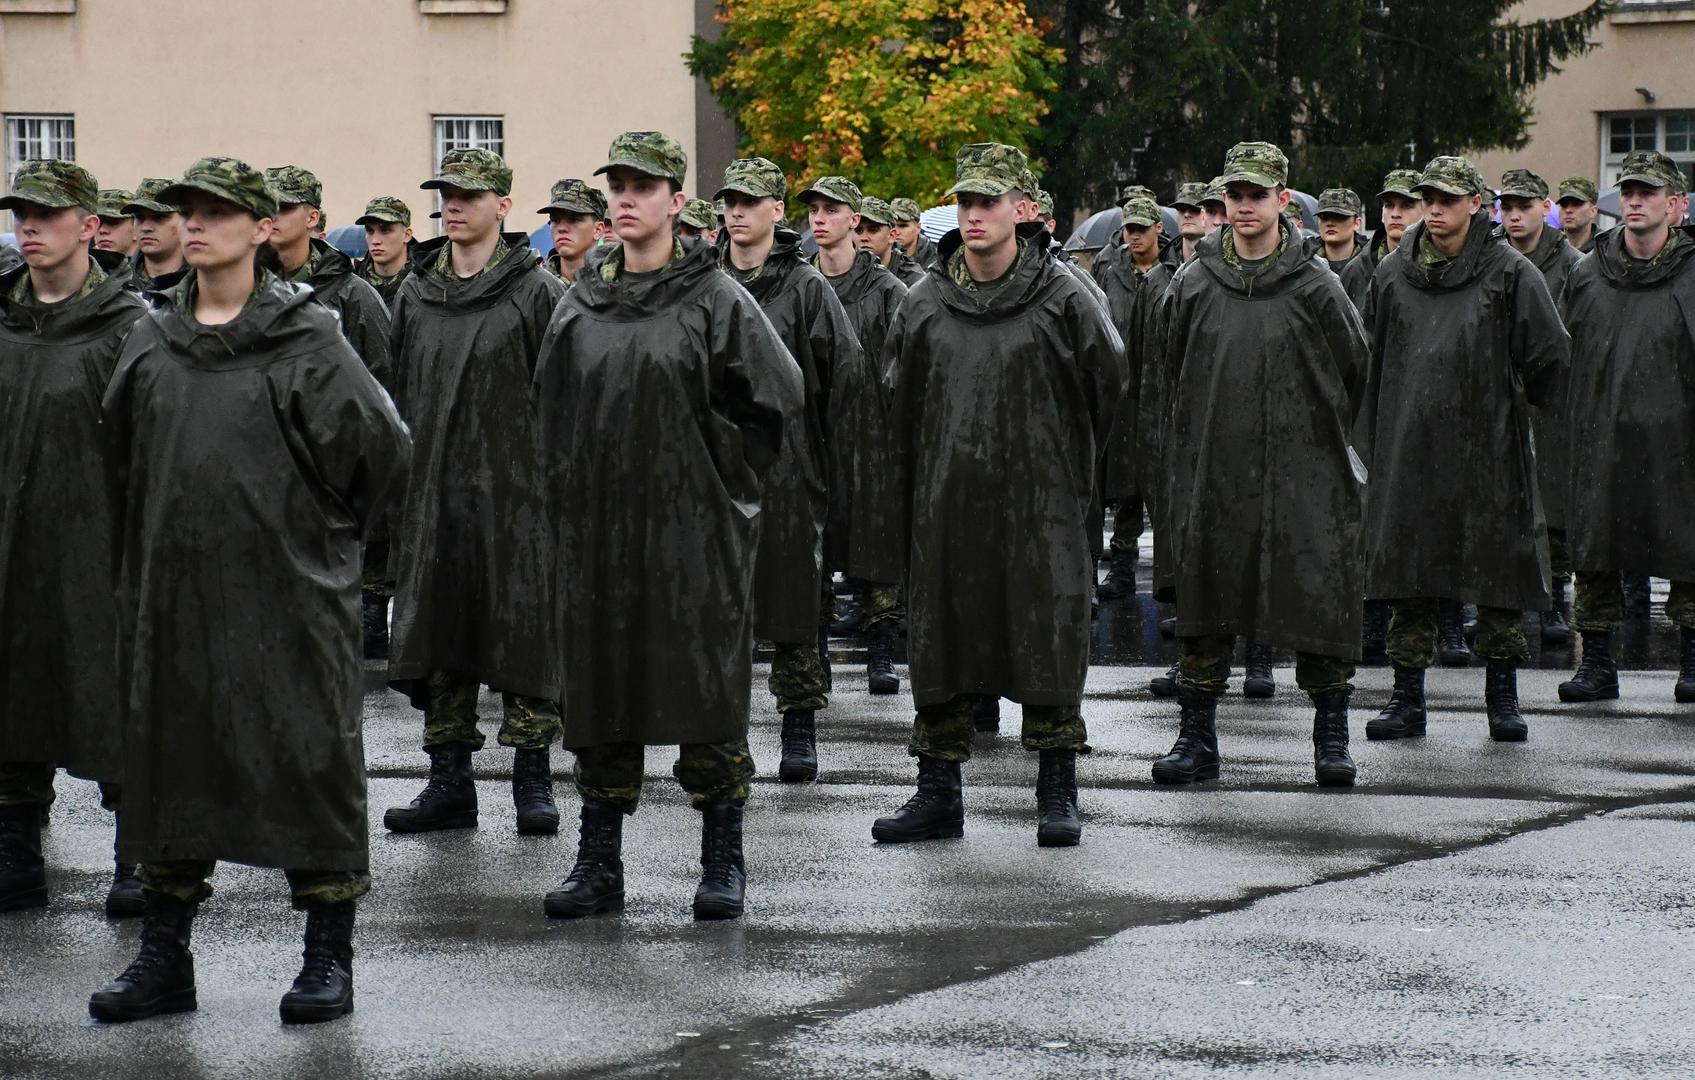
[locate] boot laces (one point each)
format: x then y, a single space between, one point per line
593 854
320 962
158 947
536 784
717 867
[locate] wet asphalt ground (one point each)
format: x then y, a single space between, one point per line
1469 910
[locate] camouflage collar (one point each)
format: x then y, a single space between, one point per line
23 292
442 268
304 273
1227 248
962 277
1427 254
612 267
1660 259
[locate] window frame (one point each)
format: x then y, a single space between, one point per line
441 143
1612 163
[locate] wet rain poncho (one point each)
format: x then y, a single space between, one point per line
1266 372
473 556
58 623
663 403
1555 257
1631 409
1132 298
249 458
1000 400
1459 352
1356 275
363 313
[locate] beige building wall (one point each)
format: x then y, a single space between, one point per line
1642 45
349 88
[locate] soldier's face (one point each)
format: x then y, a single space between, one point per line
642 207
1335 228
573 234
1143 241
1253 209
1216 215
158 234
1449 216
989 222
905 234
115 234
1646 209
47 236
386 240
832 222
1399 214
1576 215
470 217
1680 211
218 234
877 238
750 219
293 223
1191 222
1521 217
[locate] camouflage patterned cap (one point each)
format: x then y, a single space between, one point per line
112 203
836 189
1141 210
755 176
652 153
1523 184
1135 191
1190 194
1648 167
385 209
1453 176
699 214
226 178
904 209
988 169
1341 201
876 211
1402 182
1680 182
1044 204
147 198
1258 163
472 169
1580 188
52 183
294 186
1214 192
576 197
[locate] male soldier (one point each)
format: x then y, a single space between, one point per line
1212 201
698 219
1578 212
576 214
1524 212
475 589
388 244
1266 359
1341 225
64 316
1191 218
1464 337
789 578
875 234
1680 207
1401 206
1632 422
158 263
909 235
117 228
1110 255
1003 357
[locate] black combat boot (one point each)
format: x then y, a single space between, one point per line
596 883
986 714
374 620
1194 756
800 747
936 810
1330 761
1164 686
1374 633
124 900
161 980
1596 678
1257 678
1684 691
1120 576
532 793
449 798
1403 717
1500 696
1058 823
880 658
1555 629
324 988
1451 646
849 616
1638 594
23 875
723 875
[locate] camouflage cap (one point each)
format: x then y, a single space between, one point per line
1453 176
112 202
1135 191
385 209
576 197
836 189
1524 184
1401 182
1580 188
1258 163
294 186
652 153
147 198
472 169
876 211
904 209
1341 201
1044 204
54 184
1679 182
1028 183
1190 194
698 214
226 178
756 176
1141 211
1648 167
988 169
1214 192
718 208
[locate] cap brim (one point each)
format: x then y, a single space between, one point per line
379 219
1508 193
454 180
177 191
741 189
13 202
1144 223
1405 193
626 163
1263 180
1191 205
1645 178
1331 211
1446 189
150 206
570 208
991 188
1574 197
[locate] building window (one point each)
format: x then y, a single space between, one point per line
37 138
1671 133
466 132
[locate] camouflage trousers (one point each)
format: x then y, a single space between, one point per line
944 731
1598 602
1412 633
191 880
30 783
798 679
1559 556
709 772
1127 524
1205 666
882 604
450 716
374 576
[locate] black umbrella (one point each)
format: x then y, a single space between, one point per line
1098 230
